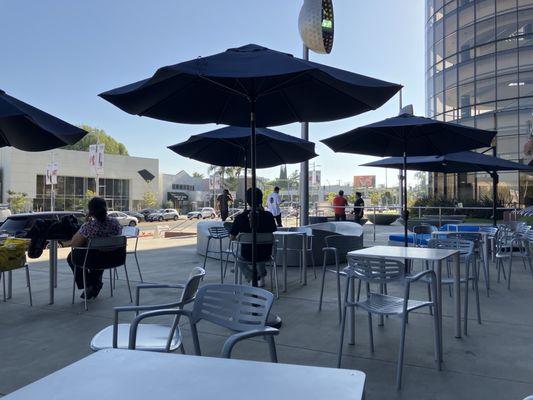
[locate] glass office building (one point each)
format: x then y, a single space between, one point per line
479 72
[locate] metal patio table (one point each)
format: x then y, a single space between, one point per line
283 235
423 254
141 375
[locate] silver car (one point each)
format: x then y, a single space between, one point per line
123 219
206 212
164 214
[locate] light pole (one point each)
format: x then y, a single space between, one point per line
315 24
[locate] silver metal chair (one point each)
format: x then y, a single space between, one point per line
101 253
309 234
132 232
335 245
241 309
218 233
382 272
266 239
466 255
510 244
150 337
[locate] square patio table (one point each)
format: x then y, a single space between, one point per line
423 254
283 235
141 375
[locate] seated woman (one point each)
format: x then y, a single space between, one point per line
98 225
265 224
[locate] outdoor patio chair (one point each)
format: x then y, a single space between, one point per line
491 232
510 244
336 245
12 259
466 255
132 232
150 337
239 308
244 239
101 253
382 272
423 229
309 232
218 233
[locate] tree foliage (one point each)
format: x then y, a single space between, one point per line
149 200
198 175
94 136
18 201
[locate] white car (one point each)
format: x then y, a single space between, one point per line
164 214
206 212
123 219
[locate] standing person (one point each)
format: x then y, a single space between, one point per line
223 201
359 207
265 224
339 203
273 204
98 225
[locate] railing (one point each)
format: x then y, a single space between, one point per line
439 213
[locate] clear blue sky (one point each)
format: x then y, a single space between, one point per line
59 54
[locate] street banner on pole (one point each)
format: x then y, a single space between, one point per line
52 171
96 158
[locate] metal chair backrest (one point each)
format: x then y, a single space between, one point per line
236 307
491 231
101 253
424 229
227 226
465 247
190 290
218 232
376 270
343 243
130 231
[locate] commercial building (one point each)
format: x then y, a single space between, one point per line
120 184
185 192
479 72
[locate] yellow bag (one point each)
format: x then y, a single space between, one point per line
13 253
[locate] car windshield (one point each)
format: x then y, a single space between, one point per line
13 225
160 211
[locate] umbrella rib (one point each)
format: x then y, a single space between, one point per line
148 109
280 85
225 87
284 96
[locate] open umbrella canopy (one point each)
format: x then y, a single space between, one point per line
28 128
412 135
220 89
230 147
464 161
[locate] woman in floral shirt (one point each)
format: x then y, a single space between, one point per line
97 225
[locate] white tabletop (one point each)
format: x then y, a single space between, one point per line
409 253
142 375
290 233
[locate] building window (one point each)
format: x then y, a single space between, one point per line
71 193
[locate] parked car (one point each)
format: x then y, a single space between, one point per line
147 211
136 214
20 224
206 212
164 214
123 218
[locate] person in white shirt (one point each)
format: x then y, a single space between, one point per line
273 204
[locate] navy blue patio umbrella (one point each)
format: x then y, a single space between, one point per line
465 161
27 128
251 86
409 135
229 147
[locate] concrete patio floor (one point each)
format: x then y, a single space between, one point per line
495 361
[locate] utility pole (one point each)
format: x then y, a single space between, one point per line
304 168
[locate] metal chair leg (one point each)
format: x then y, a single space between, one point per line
370 332
28 282
509 276
476 290
206 250
128 282
343 323
111 274
399 368
3 277
339 305
85 289
272 349
74 283
138 266
467 272
323 282
221 260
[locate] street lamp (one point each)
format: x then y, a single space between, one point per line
316 26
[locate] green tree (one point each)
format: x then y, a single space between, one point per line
18 201
94 136
374 198
83 203
198 175
149 200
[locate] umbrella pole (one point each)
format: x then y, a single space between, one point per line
495 179
254 204
404 190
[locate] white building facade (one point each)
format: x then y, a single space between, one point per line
185 192
120 184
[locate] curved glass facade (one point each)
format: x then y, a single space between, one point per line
479 72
